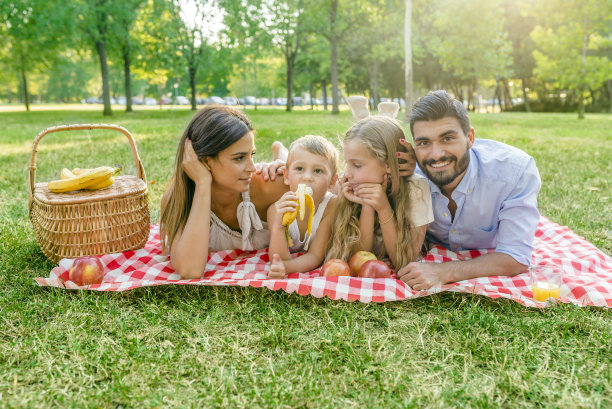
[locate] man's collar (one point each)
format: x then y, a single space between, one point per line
469 179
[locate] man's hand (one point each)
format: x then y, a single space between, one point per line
407 167
277 268
423 276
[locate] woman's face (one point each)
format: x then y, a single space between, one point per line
233 167
361 165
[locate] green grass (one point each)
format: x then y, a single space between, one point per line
191 346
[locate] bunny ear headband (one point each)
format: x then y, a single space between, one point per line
359 107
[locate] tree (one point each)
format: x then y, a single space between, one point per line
125 18
408 59
34 30
567 42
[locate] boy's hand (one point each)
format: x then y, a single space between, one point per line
270 170
277 268
287 203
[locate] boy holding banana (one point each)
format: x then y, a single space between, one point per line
310 173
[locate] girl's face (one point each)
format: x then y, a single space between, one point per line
233 167
361 165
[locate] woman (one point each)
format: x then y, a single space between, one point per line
215 201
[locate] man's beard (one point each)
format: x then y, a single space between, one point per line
442 179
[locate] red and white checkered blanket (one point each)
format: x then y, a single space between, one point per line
587 273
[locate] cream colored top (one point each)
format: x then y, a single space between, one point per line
253 234
294 230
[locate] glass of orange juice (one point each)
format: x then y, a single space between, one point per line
546 281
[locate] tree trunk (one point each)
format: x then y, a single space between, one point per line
101 47
507 96
24 83
609 82
255 86
408 59
333 42
192 85
128 81
373 71
525 97
324 91
498 96
311 92
290 62
585 44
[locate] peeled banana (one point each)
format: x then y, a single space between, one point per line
305 201
89 179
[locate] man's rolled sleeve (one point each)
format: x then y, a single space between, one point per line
519 216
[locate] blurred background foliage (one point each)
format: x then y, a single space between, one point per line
508 55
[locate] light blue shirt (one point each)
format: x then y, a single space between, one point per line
497 203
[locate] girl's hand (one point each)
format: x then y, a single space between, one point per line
349 192
193 167
374 195
287 203
277 268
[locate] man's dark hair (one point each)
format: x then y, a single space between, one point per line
438 105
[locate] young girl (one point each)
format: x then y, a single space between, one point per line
379 211
312 160
214 200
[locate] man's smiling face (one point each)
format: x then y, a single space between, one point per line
443 150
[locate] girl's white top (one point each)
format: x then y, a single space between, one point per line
253 235
294 230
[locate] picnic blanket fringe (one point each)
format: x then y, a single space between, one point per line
587 273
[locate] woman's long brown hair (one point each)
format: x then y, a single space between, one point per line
211 130
380 135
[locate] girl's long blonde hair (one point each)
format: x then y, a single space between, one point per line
211 130
380 135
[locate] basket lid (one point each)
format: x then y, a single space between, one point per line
125 185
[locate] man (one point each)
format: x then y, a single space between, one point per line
484 195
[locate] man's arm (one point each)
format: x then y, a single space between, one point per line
421 276
518 221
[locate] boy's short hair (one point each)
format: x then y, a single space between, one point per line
317 145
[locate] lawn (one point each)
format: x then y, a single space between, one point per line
192 346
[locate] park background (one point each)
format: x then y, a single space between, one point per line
190 346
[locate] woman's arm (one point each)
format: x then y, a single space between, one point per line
189 249
265 193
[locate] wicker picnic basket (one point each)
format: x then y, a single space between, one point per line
87 223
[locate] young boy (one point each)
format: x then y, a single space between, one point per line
312 160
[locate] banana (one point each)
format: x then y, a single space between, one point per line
82 181
305 201
102 184
66 174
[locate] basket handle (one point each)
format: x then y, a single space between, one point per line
32 170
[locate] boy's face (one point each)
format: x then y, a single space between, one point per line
310 169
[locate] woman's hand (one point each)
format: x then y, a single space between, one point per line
277 268
409 165
287 203
193 167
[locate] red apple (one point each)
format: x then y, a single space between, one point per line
375 269
335 267
86 270
358 260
